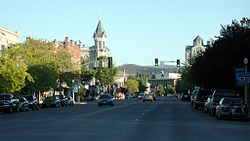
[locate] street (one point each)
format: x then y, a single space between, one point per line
167 119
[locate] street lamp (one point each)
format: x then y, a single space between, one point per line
246 88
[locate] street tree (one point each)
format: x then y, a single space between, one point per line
44 63
105 75
13 74
87 74
160 90
132 86
215 67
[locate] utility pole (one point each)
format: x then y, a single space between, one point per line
246 84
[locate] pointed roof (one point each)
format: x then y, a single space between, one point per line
198 38
99 30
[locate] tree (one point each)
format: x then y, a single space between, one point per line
186 82
132 86
171 89
44 63
215 67
13 74
87 74
160 90
105 75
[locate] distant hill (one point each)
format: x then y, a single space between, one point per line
132 69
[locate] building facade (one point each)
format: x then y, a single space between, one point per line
192 51
97 50
7 38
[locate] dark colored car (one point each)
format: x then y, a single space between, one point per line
51 102
217 96
231 108
201 97
64 100
23 104
148 97
70 101
33 102
8 103
185 96
105 99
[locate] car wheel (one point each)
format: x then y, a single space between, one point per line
111 104
17 109
10 110
37 107
33 108
99 105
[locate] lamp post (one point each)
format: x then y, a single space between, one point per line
246 88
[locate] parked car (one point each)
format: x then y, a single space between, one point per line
216 97
63 99
185 96
70 101
148 97
141 95
51 102
23 104
201 97
206 109
8 103
231 107
105 99
33 103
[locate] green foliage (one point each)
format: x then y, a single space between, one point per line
44 63
186 82
215 67
105 75
86 74
13 74
132 86
160 90
142 79
171 89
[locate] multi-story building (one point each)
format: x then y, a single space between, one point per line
97 50
192 51
74 50
7 38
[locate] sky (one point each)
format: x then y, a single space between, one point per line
138 30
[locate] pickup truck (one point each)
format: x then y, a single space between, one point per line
8 103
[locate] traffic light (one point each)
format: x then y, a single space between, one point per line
110 62
156 62
178 63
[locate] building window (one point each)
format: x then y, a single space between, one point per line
100 44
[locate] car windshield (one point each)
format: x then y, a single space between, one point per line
4 97
104 97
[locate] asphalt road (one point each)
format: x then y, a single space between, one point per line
167 119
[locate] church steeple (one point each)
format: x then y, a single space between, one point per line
100 32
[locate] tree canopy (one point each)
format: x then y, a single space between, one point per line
215 67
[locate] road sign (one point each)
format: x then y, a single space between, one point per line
238 72
75 88
244 77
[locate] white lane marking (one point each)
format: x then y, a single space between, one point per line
143 114
136 120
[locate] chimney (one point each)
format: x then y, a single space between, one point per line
66 40
71 42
